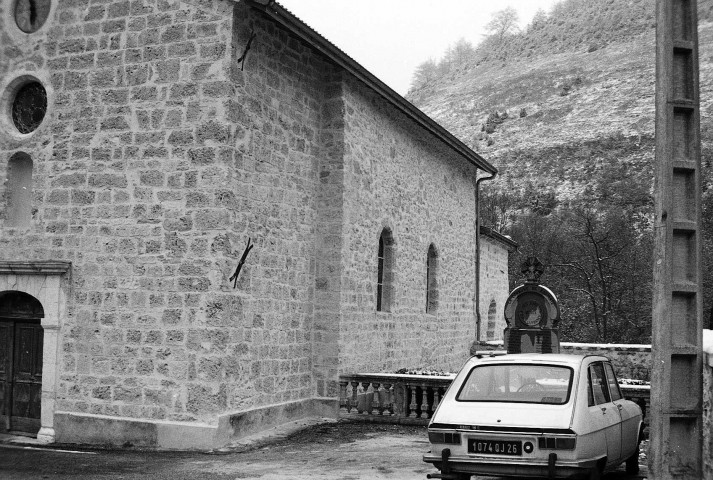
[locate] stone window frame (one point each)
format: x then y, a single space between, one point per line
432 280
25 40
385 271
46 8
8 90
49 283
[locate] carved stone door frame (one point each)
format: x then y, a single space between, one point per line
48 282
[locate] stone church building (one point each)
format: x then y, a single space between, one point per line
207 213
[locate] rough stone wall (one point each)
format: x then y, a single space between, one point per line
400 177
161 155
157 161
494 288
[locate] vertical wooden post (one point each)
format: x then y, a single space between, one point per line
676 380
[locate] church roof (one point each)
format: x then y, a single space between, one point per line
331 51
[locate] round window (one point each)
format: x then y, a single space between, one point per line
30 15
29 106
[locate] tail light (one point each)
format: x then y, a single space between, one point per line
557 443
451 438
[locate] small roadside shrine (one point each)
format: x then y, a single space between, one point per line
532 314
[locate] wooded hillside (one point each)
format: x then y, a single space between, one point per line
565 110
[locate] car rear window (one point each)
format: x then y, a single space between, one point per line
517 383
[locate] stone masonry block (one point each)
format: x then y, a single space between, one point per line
136 74
75 80
174 33
152 178
211 219
95 12
202 156
202 399
119 9
104 77
114 26
114 123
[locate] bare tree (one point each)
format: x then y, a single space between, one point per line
538 21
425 73
462 51
503 23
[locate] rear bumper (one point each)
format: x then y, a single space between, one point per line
516 467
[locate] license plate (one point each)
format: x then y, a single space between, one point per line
494 447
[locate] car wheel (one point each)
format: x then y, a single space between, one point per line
632 463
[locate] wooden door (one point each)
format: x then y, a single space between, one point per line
20 375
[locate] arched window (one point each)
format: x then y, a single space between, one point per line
431 280
490 335
384 280
18 193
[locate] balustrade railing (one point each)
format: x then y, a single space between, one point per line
391 398
398 398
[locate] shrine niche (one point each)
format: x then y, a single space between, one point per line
532 314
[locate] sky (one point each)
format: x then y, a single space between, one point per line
390 38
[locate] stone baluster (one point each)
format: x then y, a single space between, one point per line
363 401
400 399
355 389
344 406
376 403
414 402
436 397
424 402
388 400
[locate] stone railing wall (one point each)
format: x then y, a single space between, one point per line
412 399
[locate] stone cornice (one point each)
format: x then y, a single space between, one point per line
49 267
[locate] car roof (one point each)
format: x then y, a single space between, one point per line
565 359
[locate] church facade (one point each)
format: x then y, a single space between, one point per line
208 213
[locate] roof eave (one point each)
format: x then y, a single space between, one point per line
511 244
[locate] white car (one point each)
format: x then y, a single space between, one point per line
534 415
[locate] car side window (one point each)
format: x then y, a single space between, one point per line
598 385
614 389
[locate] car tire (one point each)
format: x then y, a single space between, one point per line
632 463
595 473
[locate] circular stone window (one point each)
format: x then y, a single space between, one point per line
29 106
30 15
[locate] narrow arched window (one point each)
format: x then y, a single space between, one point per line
384 279
18 193
492 309
431 280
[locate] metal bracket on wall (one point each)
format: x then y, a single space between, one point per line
244 56
234 277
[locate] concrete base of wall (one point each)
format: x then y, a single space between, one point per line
79 428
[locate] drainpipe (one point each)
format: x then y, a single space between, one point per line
477 255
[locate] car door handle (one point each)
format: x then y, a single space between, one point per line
604 410
620 407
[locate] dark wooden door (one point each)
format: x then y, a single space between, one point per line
20 375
